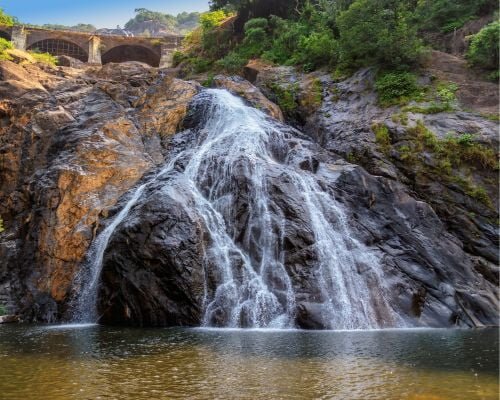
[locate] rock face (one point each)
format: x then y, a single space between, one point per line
162 261
75 143
72 143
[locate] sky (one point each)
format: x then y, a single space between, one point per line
100 13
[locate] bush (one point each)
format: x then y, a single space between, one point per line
448 15
44 58
483 51
232 63
256 38
178 57
5 45
318 49
377 33
5 19
396 87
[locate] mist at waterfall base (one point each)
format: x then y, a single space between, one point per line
252 287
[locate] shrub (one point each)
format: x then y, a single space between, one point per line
286 96
5 19
5 45
447 15
396 87
382 137
483 51
212 19
377 33
316 50
178 57
256 38
232 63
44 58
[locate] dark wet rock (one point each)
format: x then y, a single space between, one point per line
155 257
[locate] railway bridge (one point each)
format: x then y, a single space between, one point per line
94 48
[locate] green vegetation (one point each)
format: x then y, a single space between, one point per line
452 159
396 88
337 35
440 98
6 19
452 154
382 137
58 27
5 45
286 96
3 310
447 15
152 23
377 33
483 51
44 58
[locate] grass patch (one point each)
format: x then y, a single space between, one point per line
382 137
5 45
432 108
452 153
396 88
286 96
44 58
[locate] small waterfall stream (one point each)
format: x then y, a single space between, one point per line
253 288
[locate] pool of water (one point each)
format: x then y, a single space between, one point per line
95 362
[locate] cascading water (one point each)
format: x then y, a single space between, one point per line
247 282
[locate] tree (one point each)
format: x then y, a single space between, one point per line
377 32
447 15
483 51
5 19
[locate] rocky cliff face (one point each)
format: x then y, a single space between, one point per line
74 143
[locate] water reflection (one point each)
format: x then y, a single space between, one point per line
95 362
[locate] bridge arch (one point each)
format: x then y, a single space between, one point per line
5 35
60 47
129 52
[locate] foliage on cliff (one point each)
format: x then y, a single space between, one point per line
58 27
333 34
5 19
152 23
5 45
483 51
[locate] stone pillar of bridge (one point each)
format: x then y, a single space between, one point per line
167 55
95 50
19 37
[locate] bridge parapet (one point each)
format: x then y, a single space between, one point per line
95 49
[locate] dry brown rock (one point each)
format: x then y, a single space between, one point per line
253 95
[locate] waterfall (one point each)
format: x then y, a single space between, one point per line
247 283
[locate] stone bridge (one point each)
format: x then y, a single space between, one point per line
92 48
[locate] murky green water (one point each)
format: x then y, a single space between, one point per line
114 363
